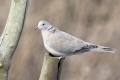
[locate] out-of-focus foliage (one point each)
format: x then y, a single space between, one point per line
95 21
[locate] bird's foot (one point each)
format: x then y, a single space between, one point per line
61 57
58 57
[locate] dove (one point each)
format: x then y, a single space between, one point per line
60 43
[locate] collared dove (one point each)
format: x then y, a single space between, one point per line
60 43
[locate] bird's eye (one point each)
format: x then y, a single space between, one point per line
43 24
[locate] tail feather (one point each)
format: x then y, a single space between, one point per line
104 49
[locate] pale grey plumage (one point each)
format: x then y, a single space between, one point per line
60 43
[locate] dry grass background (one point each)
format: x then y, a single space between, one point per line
96 21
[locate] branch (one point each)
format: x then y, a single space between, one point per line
51 68
11 34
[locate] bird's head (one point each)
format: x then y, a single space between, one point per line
43 25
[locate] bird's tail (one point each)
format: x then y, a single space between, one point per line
103 49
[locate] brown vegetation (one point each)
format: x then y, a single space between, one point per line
96 21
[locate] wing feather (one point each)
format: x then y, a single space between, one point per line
64 43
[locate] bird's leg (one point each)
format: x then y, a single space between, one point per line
61 57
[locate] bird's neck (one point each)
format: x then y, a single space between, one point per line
45 34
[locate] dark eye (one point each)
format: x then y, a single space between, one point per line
43 24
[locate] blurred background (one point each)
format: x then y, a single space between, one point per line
95 21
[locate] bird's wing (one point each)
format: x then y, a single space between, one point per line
65 43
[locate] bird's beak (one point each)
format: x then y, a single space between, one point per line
36 28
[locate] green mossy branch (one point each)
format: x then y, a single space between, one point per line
11 34
51 68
